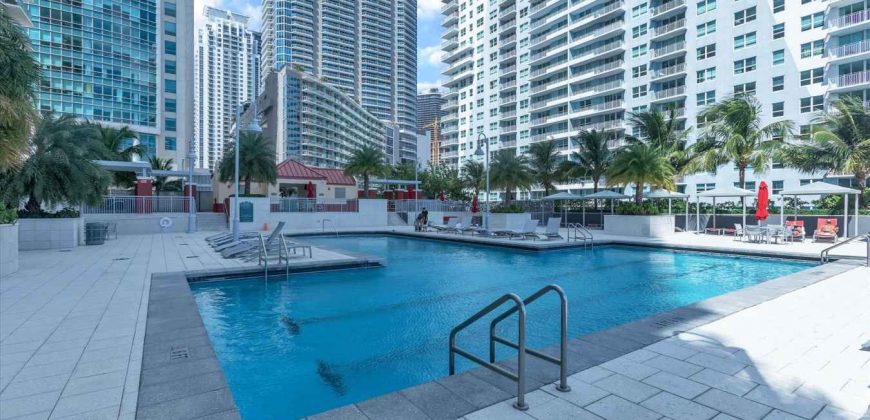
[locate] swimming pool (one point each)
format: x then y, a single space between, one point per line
323 340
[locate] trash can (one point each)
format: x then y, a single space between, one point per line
95 233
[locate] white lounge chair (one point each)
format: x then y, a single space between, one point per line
529 230
246 248
552 230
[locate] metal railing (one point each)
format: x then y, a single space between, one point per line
313 205
123 204
408 205
825 255
263 255
581 233
518 307
323 226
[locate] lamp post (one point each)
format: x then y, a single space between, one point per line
479 152
191 210
253 127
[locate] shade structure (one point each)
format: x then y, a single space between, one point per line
563 196
603 195
761 206
823 188
670 195
725 191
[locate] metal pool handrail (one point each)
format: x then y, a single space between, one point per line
323 226
584 234
562 360
263 256
824 256
520 375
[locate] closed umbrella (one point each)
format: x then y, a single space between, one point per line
441 196
761 212
474 208
310 188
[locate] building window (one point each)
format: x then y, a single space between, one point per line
638 31
169 66
705 6
707 51
776 187
639 50
705 98
778 6
169 46
812 103
811 49
706 28
639 71
743 16
638 91
170 124
170 144
809 77
778 57
778 109
169 105
745 40
705 187
169 86
778 83
169 8
815 20
778 30
340 192
748 185
744 66
706 75
169 28
744 89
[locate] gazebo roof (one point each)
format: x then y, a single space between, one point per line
727 191
606 194
564 195
664 194
819 188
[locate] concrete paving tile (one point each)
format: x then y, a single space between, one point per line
723 416
501 411
101 367
628 368
32 404
437 401
348 412
51 369
676 385
781 415
716 363
719 380
95 383
391 406
591 375
196 406
615 408
790 403
110 413
674 366
626 387
83 403
733 405
558 409
581 394
678 408
18 389
834 413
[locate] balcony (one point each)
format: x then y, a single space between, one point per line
849 50
506 129
508 114
600 69
604 106
851 79
449 44
544 119
507 70
450 19
601 126
670 93
509 84
540 6
507 55
549 134
669 49
667 7
669 71
669 28
507 25
507 100
510 10
448 7
849 21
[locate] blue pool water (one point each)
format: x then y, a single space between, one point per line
322 340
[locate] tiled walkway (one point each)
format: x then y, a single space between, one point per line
72 324
797 356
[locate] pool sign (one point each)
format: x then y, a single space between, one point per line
246 212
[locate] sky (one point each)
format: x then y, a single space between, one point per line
429 64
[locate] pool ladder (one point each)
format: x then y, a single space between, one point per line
283 254
581 233
519 306
825 255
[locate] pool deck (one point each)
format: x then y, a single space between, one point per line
73 328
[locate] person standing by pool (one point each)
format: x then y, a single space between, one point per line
422 220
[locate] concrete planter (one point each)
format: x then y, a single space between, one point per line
645 226
508 221
8 249
35 234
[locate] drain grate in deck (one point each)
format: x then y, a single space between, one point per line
121 259
669 321
177 353
192 256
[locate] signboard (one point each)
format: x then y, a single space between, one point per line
246 212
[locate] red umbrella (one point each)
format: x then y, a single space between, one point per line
441 196
310 189
761 212
411 192
474 208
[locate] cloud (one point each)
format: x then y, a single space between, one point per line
430 56
250 8
253 11
427 9
425 86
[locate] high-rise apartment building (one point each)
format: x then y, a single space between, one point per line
365 48
523 71
227 75
119 63
428 108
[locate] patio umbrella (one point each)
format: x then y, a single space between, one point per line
761 211
310 189
562 196
474 208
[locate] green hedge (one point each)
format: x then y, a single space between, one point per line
66 213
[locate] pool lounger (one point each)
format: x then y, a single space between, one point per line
552 231
246 247
528 231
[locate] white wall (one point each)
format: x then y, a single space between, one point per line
139 224
36 234
8 249
372 213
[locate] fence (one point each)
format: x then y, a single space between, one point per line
313 205
113 204
429 204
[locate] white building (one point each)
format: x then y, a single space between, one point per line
522 71
227 74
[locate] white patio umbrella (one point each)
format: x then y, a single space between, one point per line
726 191
822 188
603 195
670 195
563 196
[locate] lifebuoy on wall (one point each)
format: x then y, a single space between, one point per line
165 223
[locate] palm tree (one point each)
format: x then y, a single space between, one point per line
641 164
120 145
404 171
592 159
256 161
840 143
20 74
665 133
544 163
736 135
474 175
366 162
59 169
509 172
160 182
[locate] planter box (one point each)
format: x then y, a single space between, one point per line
37 234
8 249
508 221
644 226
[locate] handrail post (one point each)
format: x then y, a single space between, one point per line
521 363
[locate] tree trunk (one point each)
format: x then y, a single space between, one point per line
507 196
595 190
247 185
742 169
861 179
365 186
638 193
32 205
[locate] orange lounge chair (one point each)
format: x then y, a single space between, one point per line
797 230
826 230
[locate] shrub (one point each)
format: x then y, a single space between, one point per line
66 213
633 209
7 215
508 209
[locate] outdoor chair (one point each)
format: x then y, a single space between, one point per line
552 230
245 248
738 231
826 230
795 230
529 230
